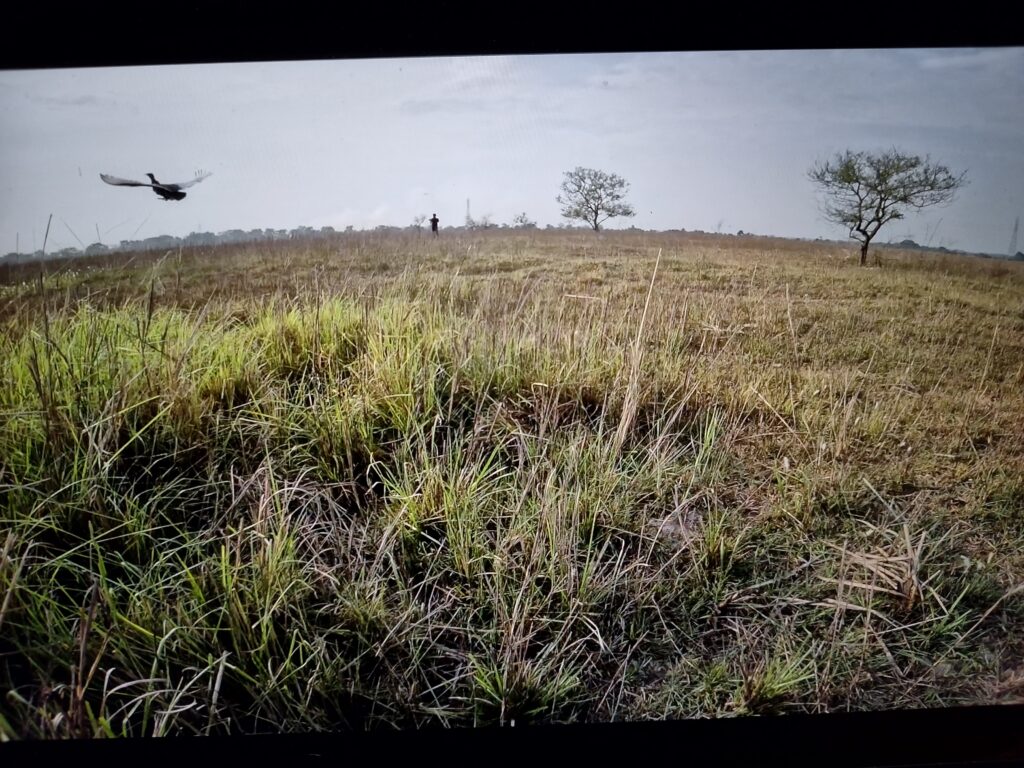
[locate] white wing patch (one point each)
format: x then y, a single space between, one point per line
123 182
200 175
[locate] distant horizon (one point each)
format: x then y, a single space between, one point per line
239 236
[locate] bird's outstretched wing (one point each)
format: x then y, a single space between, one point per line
200 175
123 182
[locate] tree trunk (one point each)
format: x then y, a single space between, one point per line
864 254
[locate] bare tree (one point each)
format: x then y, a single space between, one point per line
593 196
865 191
522 221
418 222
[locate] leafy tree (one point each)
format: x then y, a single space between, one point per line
593 196
865 191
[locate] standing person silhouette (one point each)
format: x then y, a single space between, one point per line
433 224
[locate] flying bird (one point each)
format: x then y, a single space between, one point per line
166 191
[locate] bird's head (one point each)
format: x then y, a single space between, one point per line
151 178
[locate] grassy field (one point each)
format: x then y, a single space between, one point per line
506 478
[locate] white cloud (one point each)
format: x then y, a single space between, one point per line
977 58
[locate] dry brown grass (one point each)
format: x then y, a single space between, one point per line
531 476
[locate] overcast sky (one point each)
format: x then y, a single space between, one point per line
707 140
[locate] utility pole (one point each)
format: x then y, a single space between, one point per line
1013 238
47 233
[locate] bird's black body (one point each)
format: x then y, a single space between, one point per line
165 191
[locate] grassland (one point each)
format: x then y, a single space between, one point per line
388 482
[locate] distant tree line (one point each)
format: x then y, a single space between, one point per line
165 242
201 239
192 240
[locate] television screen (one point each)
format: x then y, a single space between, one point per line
495 391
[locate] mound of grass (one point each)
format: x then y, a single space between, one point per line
505 481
